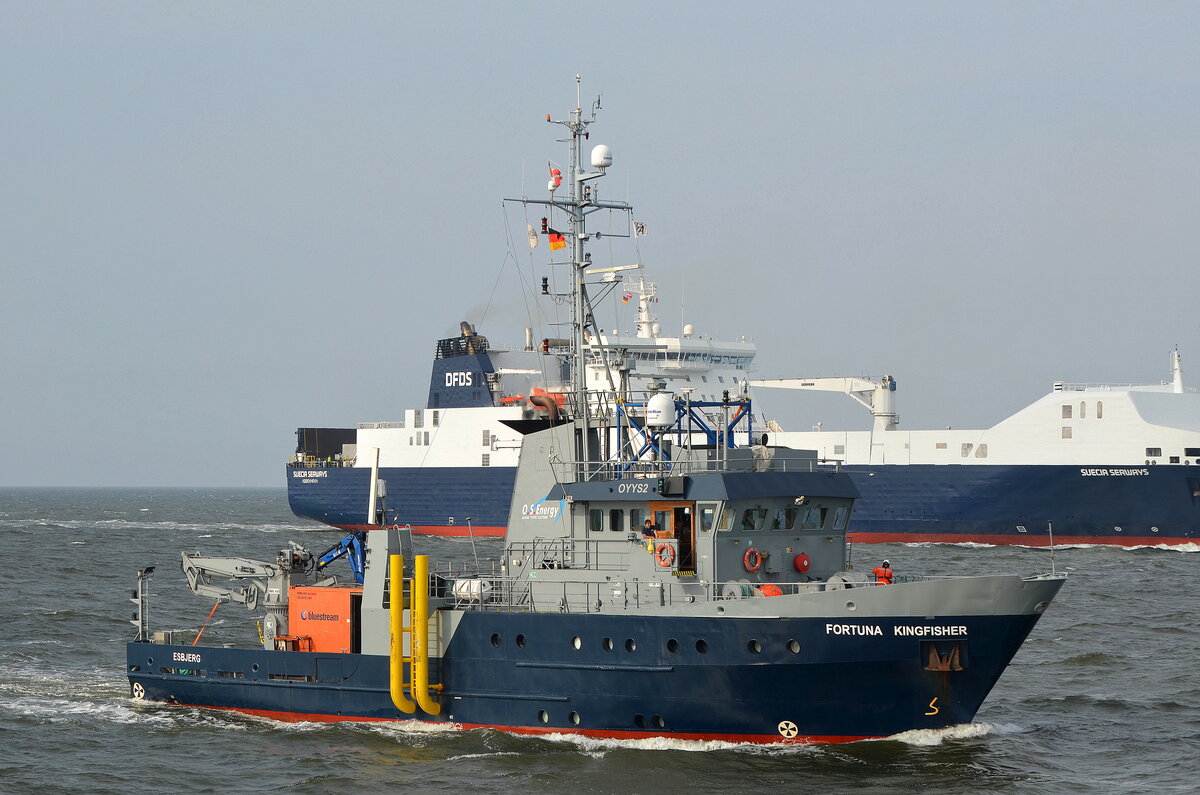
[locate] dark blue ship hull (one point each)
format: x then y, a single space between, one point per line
742 680
1127 506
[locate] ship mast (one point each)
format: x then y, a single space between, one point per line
582 200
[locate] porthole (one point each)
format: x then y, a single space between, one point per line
542 716
673 646
254 667
851 606
702 646
607 644
496 639
754 647
639 721
658 721
630 644
576 642
574 718
793 646
521 641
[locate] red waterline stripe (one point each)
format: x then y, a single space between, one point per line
607 734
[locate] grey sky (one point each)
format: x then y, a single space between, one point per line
222 221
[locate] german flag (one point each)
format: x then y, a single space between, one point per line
557 240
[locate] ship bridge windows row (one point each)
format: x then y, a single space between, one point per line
736 361
615 519
793 517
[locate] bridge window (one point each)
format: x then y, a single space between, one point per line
981 451
637 518
785 518
1066 409
1154 452
840 514
1191 452
1066 432
966 449
754 519
708 515
595 520
616 520
814 518
418 419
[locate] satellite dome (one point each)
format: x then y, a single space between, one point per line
601 156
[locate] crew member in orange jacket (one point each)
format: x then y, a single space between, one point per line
883 574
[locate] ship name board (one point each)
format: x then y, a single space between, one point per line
1102 473
905 631
310 473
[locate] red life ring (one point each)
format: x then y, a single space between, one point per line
753 560
665 555
801 562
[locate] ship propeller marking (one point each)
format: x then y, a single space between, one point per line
139 692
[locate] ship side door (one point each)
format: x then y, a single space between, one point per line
675 520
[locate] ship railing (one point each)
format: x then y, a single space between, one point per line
301 461
616 470
504 593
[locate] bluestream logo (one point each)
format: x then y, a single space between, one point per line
539 510
308 616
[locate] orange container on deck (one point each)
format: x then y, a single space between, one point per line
328 615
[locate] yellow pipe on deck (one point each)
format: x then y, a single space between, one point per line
419 639
396 645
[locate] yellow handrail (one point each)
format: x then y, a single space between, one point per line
396 645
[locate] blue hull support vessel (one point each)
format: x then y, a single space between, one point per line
655 580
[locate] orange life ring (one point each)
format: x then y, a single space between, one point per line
665 555
801 563
753 560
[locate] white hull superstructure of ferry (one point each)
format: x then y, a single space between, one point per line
449 466
1091 463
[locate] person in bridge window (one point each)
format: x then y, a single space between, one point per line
883 574
648 529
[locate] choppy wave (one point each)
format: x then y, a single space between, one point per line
928 737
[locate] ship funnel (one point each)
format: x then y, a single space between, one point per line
466 329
